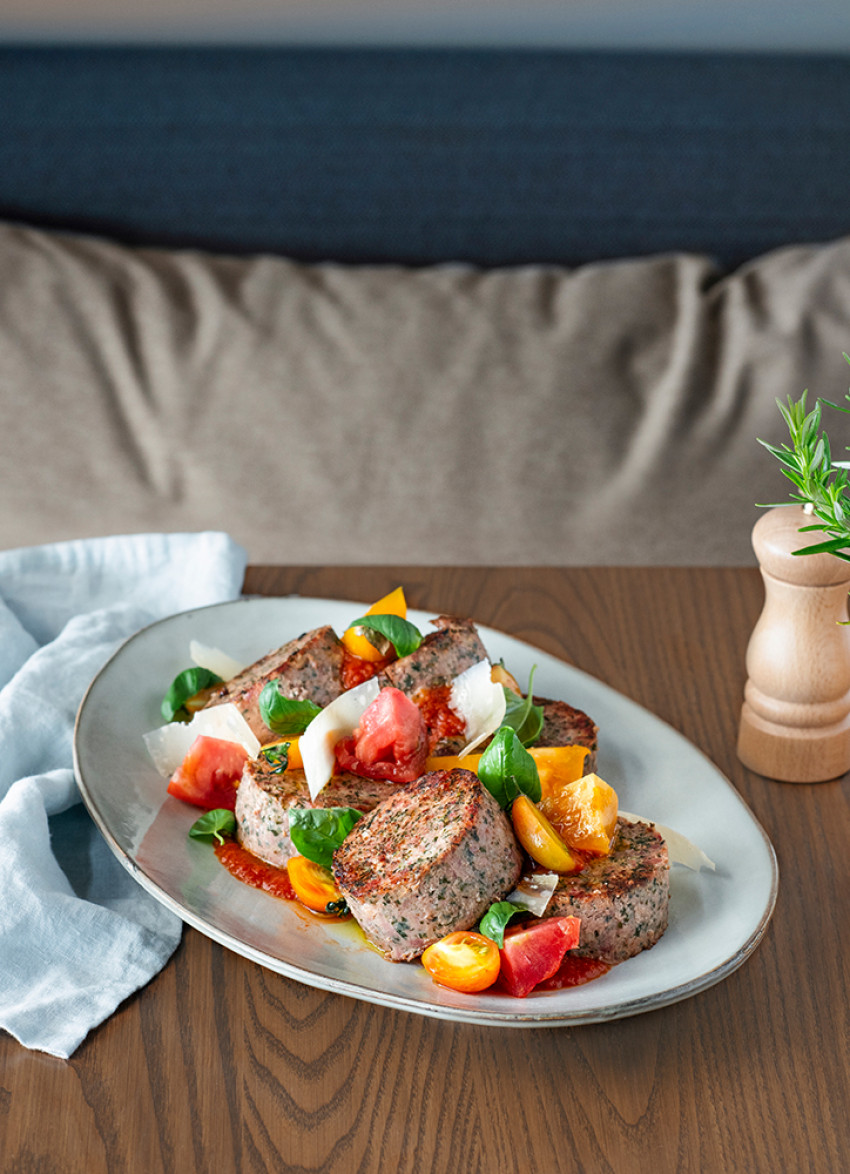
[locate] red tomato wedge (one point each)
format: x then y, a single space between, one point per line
391 741
534 950
209 773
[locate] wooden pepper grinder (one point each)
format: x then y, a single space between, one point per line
795 721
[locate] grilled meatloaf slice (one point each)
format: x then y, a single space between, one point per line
442 656
427 861
308 668
565 726
621 898
264 797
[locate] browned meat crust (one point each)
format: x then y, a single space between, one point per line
308 668
426 862
622 899
564 725
264 798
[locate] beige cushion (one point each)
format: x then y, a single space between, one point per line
322 413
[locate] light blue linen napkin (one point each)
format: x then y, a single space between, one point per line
77 933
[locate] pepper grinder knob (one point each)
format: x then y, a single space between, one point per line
795 720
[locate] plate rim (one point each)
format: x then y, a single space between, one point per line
476 1016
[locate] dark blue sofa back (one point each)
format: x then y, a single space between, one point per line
490 156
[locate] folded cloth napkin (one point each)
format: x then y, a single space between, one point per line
77 933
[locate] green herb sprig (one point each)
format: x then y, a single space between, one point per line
821 485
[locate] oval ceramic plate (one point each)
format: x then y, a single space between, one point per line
716 918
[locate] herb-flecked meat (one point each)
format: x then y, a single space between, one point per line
427 861
441 657
622 899
308 668
265 796
565 726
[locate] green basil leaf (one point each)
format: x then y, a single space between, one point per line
522 715
507 769
287 716
404 636
317 831
214 825
495 920
276 756
184 686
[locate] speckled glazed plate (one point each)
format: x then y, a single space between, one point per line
716 918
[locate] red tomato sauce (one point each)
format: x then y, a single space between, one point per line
441 720
246 867
574 972
355 670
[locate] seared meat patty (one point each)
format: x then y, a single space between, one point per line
308 668
621 898
427 861
264 797
565 726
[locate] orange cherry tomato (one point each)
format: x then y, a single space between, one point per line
539 838
314 884
359 645
463 961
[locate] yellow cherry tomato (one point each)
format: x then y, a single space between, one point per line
463 961
499 675
314 884
359 645
539 838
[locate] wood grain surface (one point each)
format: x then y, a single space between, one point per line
219 1065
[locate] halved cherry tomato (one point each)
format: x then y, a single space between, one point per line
359 645
534 950
209 774
463 961
391 741
314 884
539 838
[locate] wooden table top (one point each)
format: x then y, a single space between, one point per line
220 1065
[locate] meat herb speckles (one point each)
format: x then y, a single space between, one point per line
432 858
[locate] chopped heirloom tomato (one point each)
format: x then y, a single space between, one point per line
463 961
360 645
534 951
313 884
539 838
440 719
583 812
390 742
209 773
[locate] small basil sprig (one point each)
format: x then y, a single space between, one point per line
495 920
276 756
214 825
287 716
184 686
404 636
522 715
316 832
507 769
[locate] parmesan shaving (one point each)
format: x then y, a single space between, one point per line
534 891
479 701
218 662
337 720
